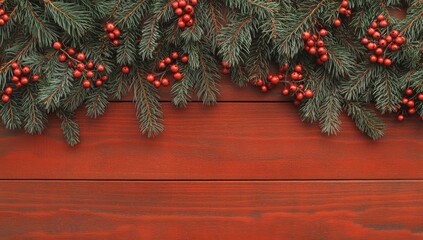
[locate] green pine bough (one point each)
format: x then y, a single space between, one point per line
334 57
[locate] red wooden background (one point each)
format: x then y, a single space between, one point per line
244 169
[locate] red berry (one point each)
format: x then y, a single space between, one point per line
104 78
15 79
17 72
14 65
320 43
26 70
405 101
71 51
380 60
168 60
189 9
305 36
186 18
344 4
420 97
409 92
323 32
293 88
312 51
400 117
410 104
111 36
8 91
80 67
193 2
285 92
117 33
387 62
5 98
98 83
388 39
90 74
115 42
165 82
308 94
175 5
300 96
80 57
376 35
162 65
295 76
100 68
181 24
321 51
110 27
371 46
184 59
77 74
379 51
324 58
310 43
86 84
383 43
298 68
393 47
125 70
90 65
399 41
274 80
343 11
175 55
174 68
18 85
337 23
412 111
150 78
371 31
182 3
380 17
259 83
24 81
2 22
264 89
383 24
374 25
178 76
179 11
364 41
2 11
373 58
35 78
57 45
394 33
156 83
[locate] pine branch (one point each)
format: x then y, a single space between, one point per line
96 103
387 92
148 108
35 118
70 16
149 39
330 111
69 127
365 120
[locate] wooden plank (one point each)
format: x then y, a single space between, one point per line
228 141
212 210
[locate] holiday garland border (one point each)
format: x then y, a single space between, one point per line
108 47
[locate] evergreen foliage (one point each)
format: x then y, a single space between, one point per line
252 36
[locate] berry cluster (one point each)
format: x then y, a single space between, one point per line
272 80
20 78
113 33
343 10
81 67
381 44
295 87
226 68
185 10
408 103
3 17
174 69
315 46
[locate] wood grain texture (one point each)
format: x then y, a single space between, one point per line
228 141
212 210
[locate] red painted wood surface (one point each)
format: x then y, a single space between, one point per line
381 210
228 141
